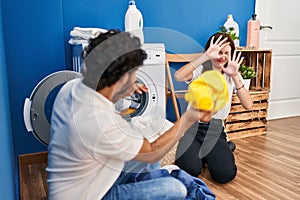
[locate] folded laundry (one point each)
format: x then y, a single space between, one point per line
81 35
79 40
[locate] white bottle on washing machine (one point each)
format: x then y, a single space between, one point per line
134 21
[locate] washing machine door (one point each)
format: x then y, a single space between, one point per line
37 108
139 104
146 111
134 105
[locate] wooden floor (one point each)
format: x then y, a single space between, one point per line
268 167
33 176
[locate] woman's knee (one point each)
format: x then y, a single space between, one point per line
193 169
222 175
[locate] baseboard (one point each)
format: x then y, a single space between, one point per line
284 109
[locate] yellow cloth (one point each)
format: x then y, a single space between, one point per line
208 92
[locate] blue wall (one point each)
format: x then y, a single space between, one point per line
36 35
34 48
197 19
6 149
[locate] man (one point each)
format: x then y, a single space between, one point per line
90 142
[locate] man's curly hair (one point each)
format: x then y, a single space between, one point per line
109 56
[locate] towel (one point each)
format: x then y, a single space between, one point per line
208 92
82 35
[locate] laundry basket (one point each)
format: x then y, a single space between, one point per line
169 158
76 57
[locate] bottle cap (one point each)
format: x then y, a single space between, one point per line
131 2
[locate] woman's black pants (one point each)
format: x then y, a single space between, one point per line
206 143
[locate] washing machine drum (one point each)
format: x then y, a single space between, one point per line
134 105
37 109
137 103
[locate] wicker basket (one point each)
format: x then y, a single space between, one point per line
169 158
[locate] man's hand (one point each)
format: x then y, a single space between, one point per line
140 88
194 115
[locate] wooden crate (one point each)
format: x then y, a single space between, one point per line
260 60
244 123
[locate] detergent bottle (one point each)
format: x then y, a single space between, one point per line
134 21
253 31
230 23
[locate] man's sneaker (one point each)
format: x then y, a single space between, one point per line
231 146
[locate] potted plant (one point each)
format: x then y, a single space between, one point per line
247 73
230 32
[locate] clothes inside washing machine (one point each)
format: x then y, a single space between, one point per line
132 106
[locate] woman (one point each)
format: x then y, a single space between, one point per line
207 142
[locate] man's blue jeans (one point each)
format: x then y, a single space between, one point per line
159 188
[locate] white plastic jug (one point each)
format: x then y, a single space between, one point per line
231 23
134 21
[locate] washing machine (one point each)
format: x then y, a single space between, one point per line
148 109
145 109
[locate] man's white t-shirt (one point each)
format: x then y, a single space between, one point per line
89 144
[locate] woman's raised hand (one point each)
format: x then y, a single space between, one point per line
232 68
215 47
